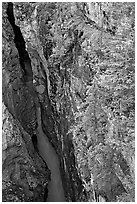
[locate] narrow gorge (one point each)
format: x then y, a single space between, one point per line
25 103
68 102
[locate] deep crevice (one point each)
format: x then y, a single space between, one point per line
24 59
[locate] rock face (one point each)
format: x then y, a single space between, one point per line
27 83
25 175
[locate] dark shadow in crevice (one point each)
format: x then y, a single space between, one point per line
24 59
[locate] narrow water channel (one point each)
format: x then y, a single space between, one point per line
49 155
46 150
